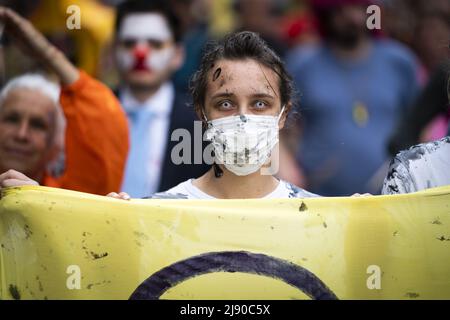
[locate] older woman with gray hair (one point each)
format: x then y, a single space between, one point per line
33 113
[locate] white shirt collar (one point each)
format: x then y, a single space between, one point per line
160 103
279 192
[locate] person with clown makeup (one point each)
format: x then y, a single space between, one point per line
148 51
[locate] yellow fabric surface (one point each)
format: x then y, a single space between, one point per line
224 249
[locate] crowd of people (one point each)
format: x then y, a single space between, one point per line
305 82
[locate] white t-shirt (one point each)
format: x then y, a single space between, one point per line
186 190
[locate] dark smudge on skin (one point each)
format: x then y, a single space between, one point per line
217 74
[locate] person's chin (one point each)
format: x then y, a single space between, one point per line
141 76
15 164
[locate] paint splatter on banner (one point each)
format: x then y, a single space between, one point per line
58 244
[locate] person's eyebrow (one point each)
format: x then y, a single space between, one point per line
222 95
253 96
262 96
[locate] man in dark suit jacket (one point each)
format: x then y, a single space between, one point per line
148 52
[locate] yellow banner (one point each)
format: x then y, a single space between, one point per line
58 244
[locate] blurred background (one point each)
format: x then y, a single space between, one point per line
361 93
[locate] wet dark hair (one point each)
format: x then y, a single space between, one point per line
240 46
145 6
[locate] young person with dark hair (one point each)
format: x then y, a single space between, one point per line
243 94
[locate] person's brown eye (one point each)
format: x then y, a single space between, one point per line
38 124
129 43
156 44
12 119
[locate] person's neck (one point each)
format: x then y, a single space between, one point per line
142 94
359 52
231 186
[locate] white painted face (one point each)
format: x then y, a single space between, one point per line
146 43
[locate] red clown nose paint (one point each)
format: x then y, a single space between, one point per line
140 54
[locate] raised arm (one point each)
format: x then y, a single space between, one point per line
34 44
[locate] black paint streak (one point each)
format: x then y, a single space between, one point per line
218 172
217 74
303 207
28 232
403 158
96 256
239 261
91 254
14 291
90 285
436 221
412 295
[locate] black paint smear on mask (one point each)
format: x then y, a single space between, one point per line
217 74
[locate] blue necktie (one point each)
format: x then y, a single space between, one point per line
136 182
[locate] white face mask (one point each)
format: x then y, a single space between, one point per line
243 143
